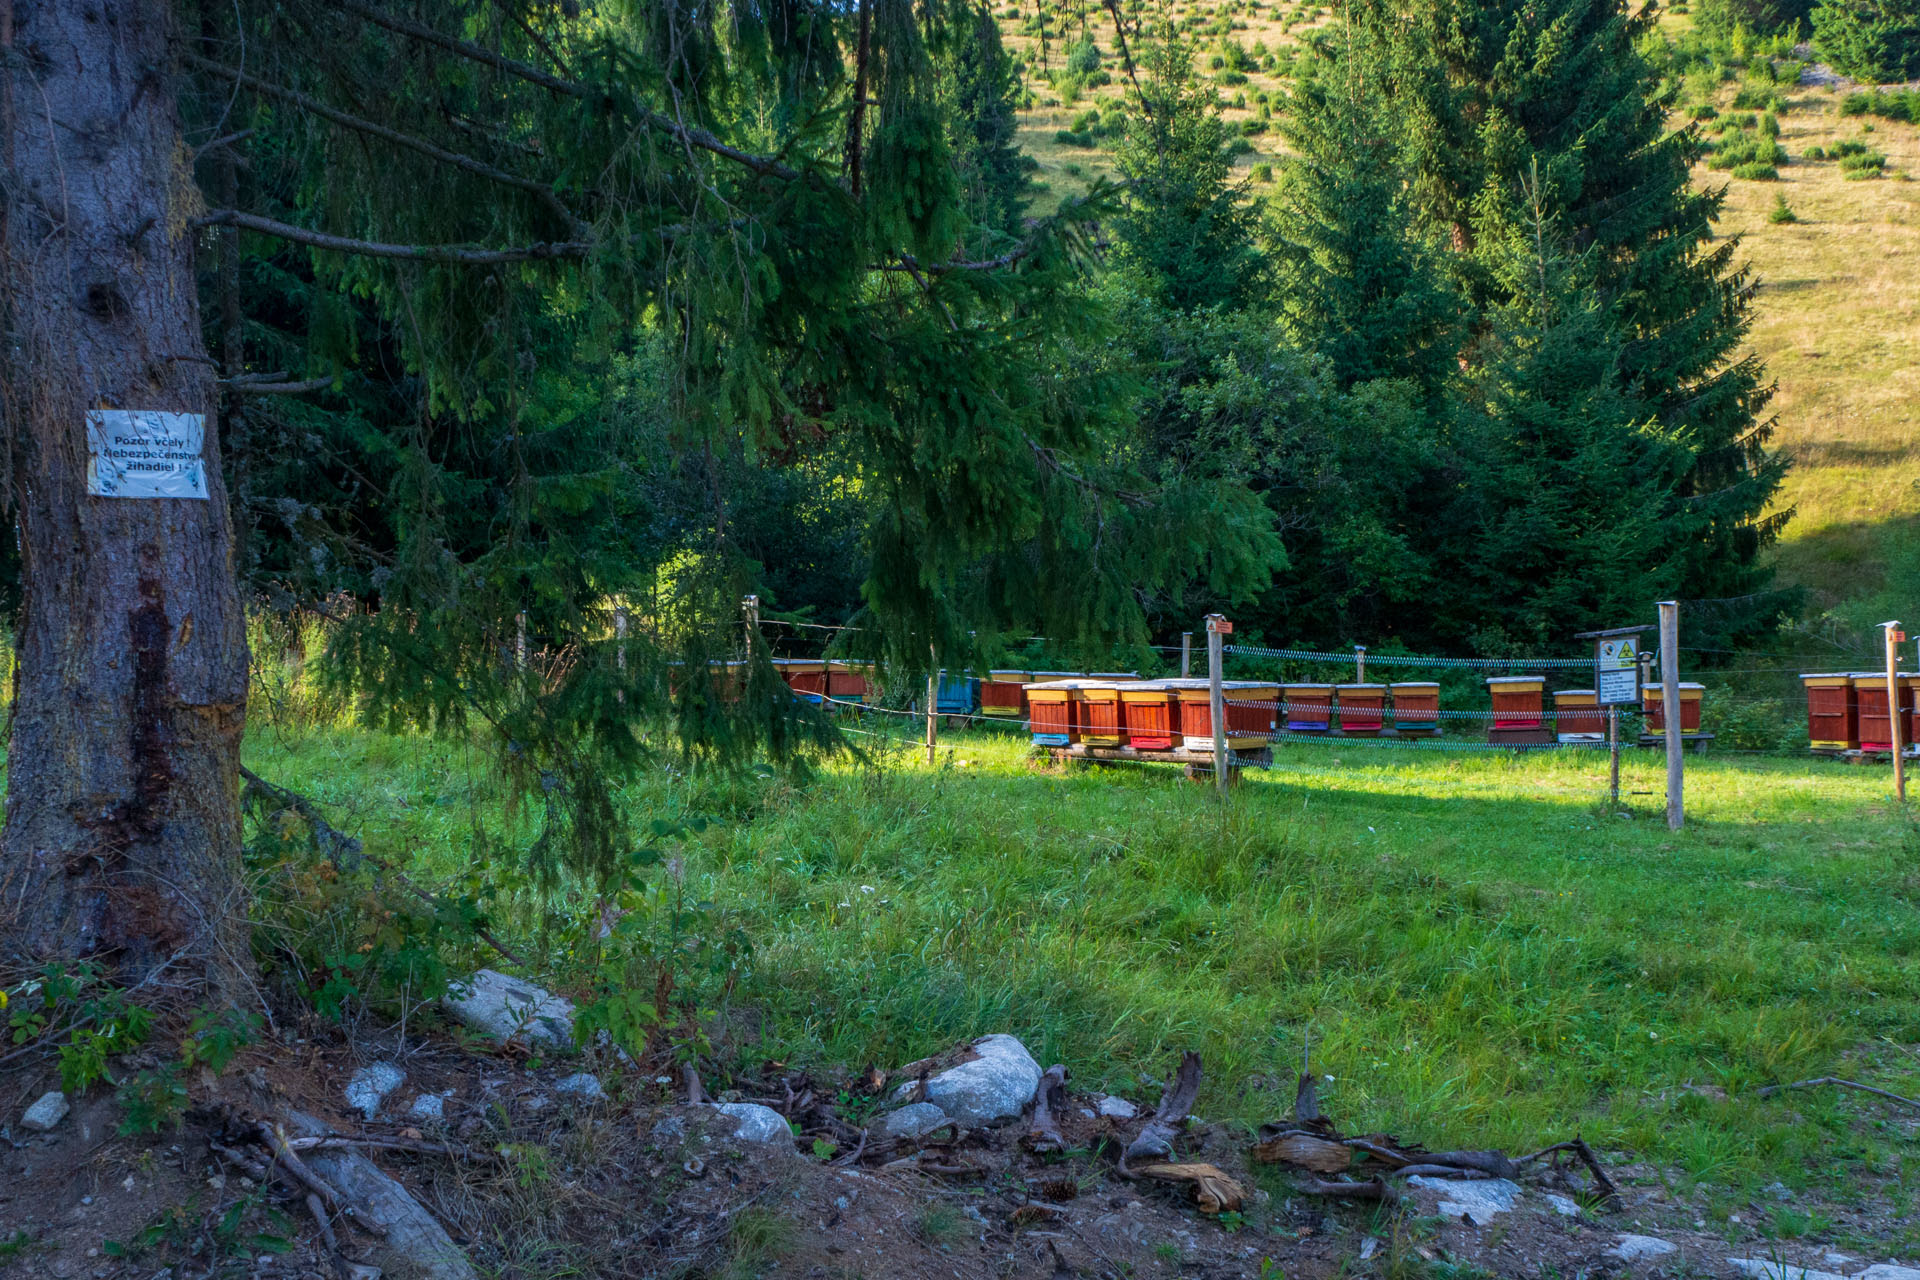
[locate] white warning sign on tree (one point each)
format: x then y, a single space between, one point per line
145 453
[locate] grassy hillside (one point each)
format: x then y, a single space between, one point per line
1838 301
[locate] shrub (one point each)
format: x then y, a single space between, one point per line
1263 173
1232 77
1252 128
1770 125
1704 111
1862 163
1816 153
1073 138
1756 172
1782 212
1239 147
1746 149
1755 97
1083 57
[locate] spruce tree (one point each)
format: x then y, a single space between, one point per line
1490 95
1875 40
1186 230
983 94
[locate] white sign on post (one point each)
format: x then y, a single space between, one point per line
1616 671
145 453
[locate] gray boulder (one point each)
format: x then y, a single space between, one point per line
504 1007
912 1120
755 1123
1887 1271
1768 1269
1632 1248
1481 1201
47 1111
995 1087
581 1086
1118 1108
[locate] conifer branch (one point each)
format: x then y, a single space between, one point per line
407 141
688 135
459 255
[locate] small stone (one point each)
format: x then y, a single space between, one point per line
1369 1247
995 1086
912 1120
755 1123
1631 1248
1779 1191
1888 1271
1766 1269
582 1086
504 1007
1118 1108
1565 1206
670 1130
1480 1201
47 1111
428 1108
370 1086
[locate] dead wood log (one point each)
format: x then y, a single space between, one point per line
1214 1190
1374 1189
1457 1173
1169 1118
1304 1150
1306 1099
1043 1130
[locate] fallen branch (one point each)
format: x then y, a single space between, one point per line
1837 1082
1373 1189
1579 1147
1169 1118
1043 1131
1214 1190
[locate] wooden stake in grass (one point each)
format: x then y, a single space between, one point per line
1894 636
1670 712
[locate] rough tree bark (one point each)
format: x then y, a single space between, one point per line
122 825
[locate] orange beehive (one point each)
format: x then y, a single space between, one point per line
1149 714
1516 701
1416 707
1362 709
1051 713
1578 717
1654 717
1250 707
848 681
1874 722
1098 712
1832 712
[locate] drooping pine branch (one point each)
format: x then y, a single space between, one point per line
462 255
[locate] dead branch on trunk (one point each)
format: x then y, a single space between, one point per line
1169 1118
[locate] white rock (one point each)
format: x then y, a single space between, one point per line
1765 1269
1632 1248
582 1086
370 1086
1565 1206
1118 1108
912 1120
1479 1200
1369 1247
430 1108
47 1111
756 1123
996 1086
504 1007
1887 1271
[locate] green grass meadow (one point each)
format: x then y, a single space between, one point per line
1482 954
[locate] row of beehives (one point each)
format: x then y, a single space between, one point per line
1848 710
1163 714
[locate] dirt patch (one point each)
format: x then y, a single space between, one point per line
641 1185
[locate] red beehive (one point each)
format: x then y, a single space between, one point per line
1149 714
1654 715
1249 706
807 679
1050 713
1519 719
1874 721
848 681
1832 711
1362 709
1097 710
1309 708
1001 693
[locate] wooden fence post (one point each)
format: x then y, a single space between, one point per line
1186 654
1217 702
933 706
1894 636
1670 713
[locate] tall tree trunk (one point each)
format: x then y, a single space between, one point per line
122 825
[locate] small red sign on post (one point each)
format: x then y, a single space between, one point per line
1898 636
1220 626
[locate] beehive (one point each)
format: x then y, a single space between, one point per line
1250 709
1149 714
1578 717
806 677
1653 715
1098 712
1517 701
1416 707
1309 707
1832 711
848 681
1361 709
1051 713
953 695
1874 723
1000 693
